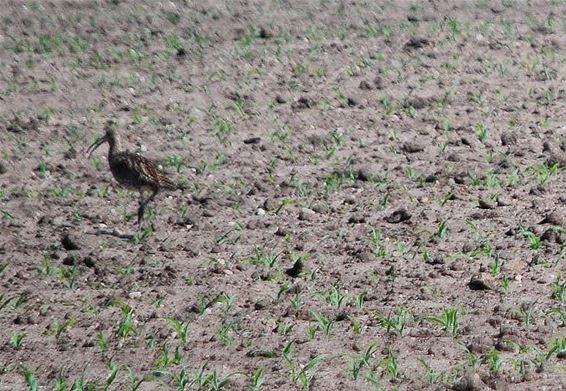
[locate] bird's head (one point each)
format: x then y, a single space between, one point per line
110 136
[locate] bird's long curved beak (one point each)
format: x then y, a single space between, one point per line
95 145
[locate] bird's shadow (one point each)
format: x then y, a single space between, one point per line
116 233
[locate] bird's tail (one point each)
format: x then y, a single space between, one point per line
166 183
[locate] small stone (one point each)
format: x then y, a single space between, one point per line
471 381
554 218
364 85
3 168
279 99
357 218
281 231
486 204
296 270
398 216
412 147
270 204
480 283
260 212
302 103
508 138
252 140
416 43
503 200
70 242
306 214
553 236
135 295
351 102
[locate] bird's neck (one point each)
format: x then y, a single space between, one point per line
115 145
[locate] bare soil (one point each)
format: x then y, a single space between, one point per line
372 195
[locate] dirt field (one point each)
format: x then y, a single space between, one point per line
372 195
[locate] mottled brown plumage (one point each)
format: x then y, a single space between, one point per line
132 170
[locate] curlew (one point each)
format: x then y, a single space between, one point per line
132 170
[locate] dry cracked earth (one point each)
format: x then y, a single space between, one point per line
372 195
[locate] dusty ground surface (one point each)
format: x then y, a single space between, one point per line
373 196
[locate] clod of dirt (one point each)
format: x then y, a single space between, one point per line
412 147
70 242
555 217
503 200
351 102
378 82
3 168
357 218
281 231
398 216
471 381
486 204
306 214
555 154
508 138
72 259
264 33
367 173
252 140
479 345
480 283
416 43
552 235
364 85
279 99
296 270
302 103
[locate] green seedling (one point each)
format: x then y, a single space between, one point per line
324 323
357 363
16 340
256 379
30 379
494 362
558 289
397 321
126 325
181 329
391 366
114 368
333 296
448 320
534 241
495 266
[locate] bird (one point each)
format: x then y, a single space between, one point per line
132 170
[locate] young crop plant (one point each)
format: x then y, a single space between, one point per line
448 320
325 324
535 242
31 380
390 365
59 328
493 361
257 379
181 329
357 363
126 326
16 340
558 289
398 321
333 296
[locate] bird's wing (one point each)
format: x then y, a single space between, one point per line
149 170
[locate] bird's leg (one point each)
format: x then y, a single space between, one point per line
143 203
141 209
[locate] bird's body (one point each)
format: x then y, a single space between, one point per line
133 171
